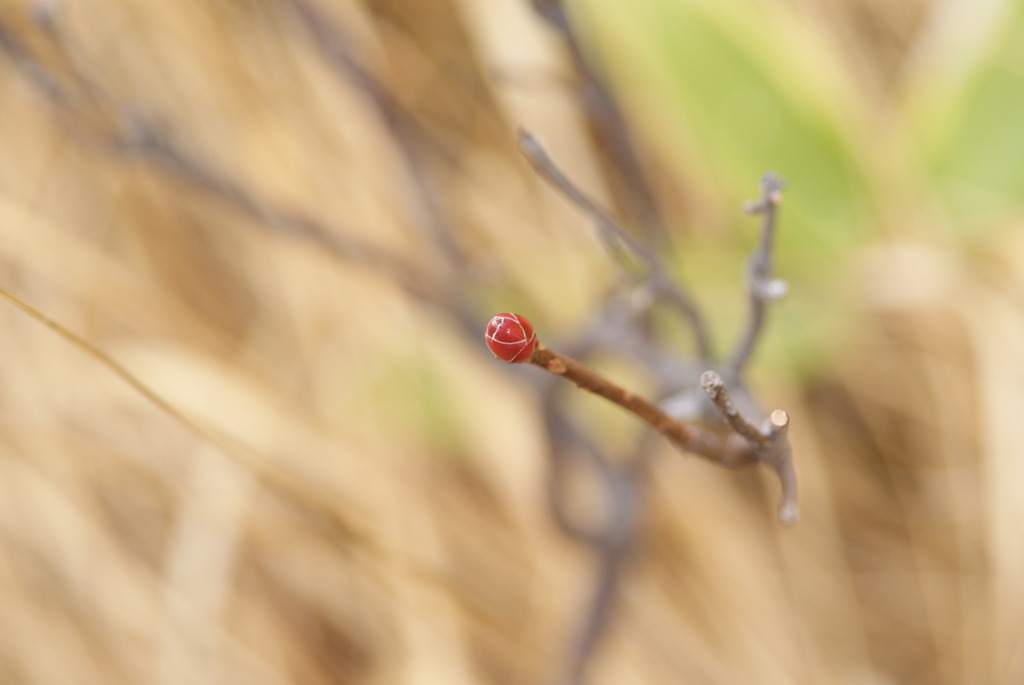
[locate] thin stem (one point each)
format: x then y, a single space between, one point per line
606 122
726 450
271 474
618 241
336 49
762 289
611 564
572 448
612 234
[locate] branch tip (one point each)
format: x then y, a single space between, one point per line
779 419
774 290
715 389
771 195
789 512
772 185
711 382
528 144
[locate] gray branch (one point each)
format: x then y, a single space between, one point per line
761 286
770 444
619 242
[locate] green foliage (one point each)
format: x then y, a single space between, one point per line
724 91
974 142
731 96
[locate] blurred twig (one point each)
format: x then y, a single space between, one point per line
760 284
336 50
619 242
623 493
94 119
607 123
612 538
611 534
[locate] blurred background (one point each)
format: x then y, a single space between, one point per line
291 220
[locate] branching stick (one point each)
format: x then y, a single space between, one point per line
761 286
768 443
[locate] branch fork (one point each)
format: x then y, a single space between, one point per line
746 444
768 443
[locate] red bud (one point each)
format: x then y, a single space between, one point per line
510 338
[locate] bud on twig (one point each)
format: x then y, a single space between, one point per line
510 338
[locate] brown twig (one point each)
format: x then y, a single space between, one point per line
747 445
729 450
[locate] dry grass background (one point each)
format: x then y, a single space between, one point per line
373 511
